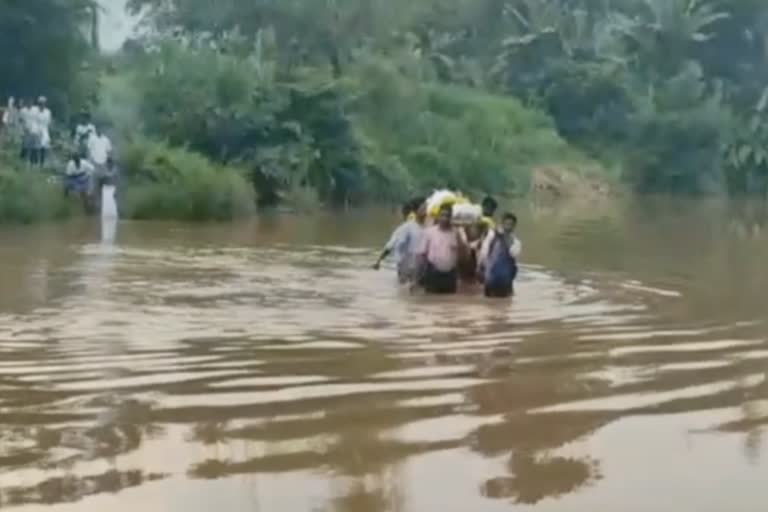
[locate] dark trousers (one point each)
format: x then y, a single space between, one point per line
502 290
440 283
499 292
37 156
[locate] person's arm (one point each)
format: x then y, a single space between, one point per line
485 248
391 244
88 167
516 249
72 169
420 260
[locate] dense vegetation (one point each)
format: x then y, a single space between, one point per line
348 101
171 183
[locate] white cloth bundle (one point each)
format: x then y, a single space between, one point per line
438 199
467 213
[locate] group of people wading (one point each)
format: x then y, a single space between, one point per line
437 253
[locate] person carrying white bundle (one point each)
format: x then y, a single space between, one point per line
99 154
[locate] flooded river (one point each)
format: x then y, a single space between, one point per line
264 367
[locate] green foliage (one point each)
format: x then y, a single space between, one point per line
376 135
440 135
118 108
655 81
676 151
290 133
346 101
45 51
746 153
27 197
172 183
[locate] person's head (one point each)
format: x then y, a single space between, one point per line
22 103
42 101
490 205
509 223
419 208
76 158
406 209
445 216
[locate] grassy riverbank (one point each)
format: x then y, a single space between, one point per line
161 182
157 182
28 197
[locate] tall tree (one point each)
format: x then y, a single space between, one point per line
44 47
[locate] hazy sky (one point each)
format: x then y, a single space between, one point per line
116 25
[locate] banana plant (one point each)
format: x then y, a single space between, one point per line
661 37
746 155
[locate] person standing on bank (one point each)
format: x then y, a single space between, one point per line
44 120
27 124
497 262
439 254
83 132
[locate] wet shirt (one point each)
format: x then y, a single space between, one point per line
515 249
406 241
441 248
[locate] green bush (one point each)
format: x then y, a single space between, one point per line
677 138
161 182
589 102
28 196
291 133
453 136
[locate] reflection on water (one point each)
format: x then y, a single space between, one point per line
264 367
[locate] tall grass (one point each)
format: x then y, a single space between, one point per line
28 196
162 182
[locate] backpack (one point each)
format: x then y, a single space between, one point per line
500 265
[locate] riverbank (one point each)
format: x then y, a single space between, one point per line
186 187
156 183
162 182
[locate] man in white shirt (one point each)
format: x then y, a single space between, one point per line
44 120
35 132
99 154
27 126
8 114
99 149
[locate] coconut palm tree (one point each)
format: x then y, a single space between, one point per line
666 32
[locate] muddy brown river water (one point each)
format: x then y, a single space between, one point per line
264 367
